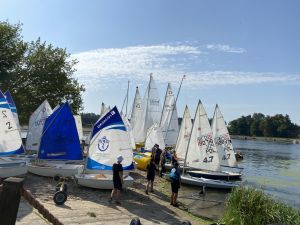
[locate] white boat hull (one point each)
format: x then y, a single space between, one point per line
101 181
12 169
196 181
55 169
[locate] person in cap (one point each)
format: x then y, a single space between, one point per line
117 179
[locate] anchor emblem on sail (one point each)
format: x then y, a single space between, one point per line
103 144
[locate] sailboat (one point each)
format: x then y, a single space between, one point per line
59 145
154 136
136 108
109 139
78 123
169 119
10 142
36 125
13 108
222 139
202 153
151 112
183 137
129 130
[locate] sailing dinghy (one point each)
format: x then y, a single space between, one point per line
36 125
13 108
59 146
202 153
169 119
10 142
109 139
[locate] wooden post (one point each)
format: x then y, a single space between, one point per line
10 200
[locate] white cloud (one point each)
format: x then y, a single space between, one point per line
101 67
225 48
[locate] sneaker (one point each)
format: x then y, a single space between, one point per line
146 192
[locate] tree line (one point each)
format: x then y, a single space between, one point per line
35 71
264 126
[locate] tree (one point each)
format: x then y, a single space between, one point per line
41 72
12 49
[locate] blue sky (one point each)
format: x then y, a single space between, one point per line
243 55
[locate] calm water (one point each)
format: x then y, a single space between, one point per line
273 167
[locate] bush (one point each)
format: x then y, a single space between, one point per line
249 206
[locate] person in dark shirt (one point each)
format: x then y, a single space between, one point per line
150 175
163 162
174 158
117 180
175 183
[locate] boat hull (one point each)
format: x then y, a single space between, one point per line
142 160
52 170
203 182
101 181
12 169
215 175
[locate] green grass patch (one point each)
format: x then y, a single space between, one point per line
249 206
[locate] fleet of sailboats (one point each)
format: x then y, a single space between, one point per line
203 149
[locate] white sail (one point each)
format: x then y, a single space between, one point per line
222 139
79 126
104 110
10 139
109 139
151 112
184 134
36 125
129 130
202 152
169 119
136 108
154 136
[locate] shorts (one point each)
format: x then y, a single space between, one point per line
175 186
117 185
150 177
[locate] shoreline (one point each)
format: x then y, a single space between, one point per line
269 139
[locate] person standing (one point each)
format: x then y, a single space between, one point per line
163 162
117 180
150 175
175 183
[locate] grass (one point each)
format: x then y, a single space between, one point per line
249 206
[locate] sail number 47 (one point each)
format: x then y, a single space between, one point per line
208 159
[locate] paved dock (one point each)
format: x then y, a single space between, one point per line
91 206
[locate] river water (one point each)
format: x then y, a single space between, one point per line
273 167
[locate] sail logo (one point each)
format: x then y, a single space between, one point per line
103 144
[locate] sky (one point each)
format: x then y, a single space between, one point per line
242 55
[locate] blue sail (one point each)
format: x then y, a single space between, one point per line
11 102
109 139
60 139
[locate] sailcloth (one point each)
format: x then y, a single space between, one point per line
36 125
169 119
13 107
79 126
151 112
10 139
154 136
104 109
129 130
184 134
109 139
60 139
202 152
222 139
136 108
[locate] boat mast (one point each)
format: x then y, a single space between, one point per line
125 100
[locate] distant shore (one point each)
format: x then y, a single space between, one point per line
271 139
